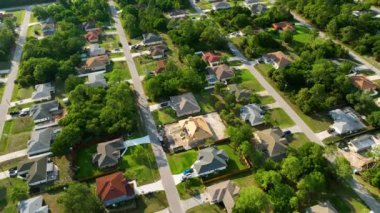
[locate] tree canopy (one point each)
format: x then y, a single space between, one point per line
251 199
79 198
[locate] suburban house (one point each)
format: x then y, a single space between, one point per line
240 94
363 83
258 8
322 207
158 51
37 171
48 27
223 192
93 36
177 14
96 80
108 153
184 104
283 26
221 5
211 58
5 15
252 113
210 160
114 188
96 50
97 63
222 72
152 39
357 161
345 121
40 141
43 92
195 130
362 143
160 67
277 59
33 205
89 26
46 111
249 2
271 142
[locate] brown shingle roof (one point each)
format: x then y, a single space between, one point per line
223 71
160 67
363 83
96 61
280 58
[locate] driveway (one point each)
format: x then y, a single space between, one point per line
7 95
20 102
194 201
4 175
162 163
13 155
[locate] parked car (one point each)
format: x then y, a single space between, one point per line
331 130
188 171
24 112
286 133
164 104
12 172
14 113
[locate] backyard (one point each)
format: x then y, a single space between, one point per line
317 123
190 187
16 134
149 204
280 118
205 100
19 14
138 163
179 162
7 187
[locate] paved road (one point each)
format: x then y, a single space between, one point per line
354 55
166 176
365 195
5 103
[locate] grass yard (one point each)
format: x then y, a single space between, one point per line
179 162
281 119
20 93
266 100
154 203
2 87
190 187
19 14
243 180
86 168
144 64
109 42
51 200
33 18
16 134
209 208
4 65
140 165
164 116
205 101
7 204
204 4
116 55
248 81
317 123
303 35
64 169
34 30
117 71
298 139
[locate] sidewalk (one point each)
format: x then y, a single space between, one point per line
20 102
13 155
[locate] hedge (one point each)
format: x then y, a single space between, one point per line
15 3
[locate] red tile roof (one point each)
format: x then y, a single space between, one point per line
112 186
92 35
363 83
283 26
210 57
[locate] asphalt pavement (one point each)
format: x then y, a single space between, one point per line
163 166
7 95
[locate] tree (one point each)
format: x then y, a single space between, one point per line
268 179
287 36
238 135
291 168
244 148
79 198
19 192
251 199
281 196
374 119
343 168
310 187
71 82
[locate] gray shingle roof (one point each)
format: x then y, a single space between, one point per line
251 113
108 153
150 38
33 205
184 104
36 169
44 110
345 121
40 140
210 159
258 8
96 80
42 91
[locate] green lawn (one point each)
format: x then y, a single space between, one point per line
33 18
243 180
281 119
7 204
144 64
139 166
16 134
248 81
209 208
34 30
19 14
144 204
298 139
20 93
116 55
317 123
179 162
142 168
4 65
266 100
109 42
205 101
302 35
164 116
117 71
2 87
204 4
190 187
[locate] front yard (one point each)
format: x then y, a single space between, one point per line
149 204
117 71
109 42
317 123
164 116
34 30
181 161
138 163
20 93
190 187
297 140
16 134
19 14
144 64
209 208
248 81
280 118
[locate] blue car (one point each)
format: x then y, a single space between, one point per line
187 171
